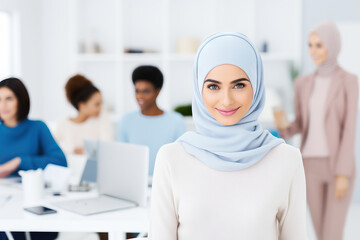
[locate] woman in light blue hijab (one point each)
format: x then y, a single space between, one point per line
231 179
229 148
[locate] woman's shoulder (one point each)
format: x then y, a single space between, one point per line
63 121
283 161
303 78
287 148
172 148
171 152
38 126
350 78
286 155
66 125
174 115
128 117
36 123
174 119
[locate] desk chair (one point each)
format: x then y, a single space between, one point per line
9 235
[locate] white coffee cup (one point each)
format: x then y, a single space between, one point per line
33 186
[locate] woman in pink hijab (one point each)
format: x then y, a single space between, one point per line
326 105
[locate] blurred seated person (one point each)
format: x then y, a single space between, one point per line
150 126
89 122
24 144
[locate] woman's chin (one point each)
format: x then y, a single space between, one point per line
227 121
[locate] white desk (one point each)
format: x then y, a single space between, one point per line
116 223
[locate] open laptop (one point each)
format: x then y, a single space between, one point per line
122 178
90 170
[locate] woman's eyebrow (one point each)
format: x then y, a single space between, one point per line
212 80
232 82
240 80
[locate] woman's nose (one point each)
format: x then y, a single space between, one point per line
228 99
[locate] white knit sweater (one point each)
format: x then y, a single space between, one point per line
264 202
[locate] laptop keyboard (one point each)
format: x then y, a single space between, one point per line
95 205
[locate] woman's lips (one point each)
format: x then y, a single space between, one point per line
227 112
316 58
141 102
4 112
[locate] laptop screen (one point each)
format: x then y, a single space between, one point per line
90 169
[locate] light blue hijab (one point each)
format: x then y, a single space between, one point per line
239 146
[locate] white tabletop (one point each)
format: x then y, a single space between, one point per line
14 218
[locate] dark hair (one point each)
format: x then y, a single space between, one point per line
148 73
22 95
79 89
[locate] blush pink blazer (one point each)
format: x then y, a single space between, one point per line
340 118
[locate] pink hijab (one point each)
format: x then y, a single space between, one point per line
330 36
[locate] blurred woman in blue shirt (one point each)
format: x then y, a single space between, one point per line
24 144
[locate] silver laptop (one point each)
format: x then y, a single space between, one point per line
90 170
122 178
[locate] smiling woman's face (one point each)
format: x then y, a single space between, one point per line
317 49
227 93
8 104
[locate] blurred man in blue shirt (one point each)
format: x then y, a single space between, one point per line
150 126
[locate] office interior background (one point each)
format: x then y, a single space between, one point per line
44 42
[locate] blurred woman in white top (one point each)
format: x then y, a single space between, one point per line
89 123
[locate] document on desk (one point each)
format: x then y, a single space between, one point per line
4 199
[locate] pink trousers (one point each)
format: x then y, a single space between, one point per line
327 213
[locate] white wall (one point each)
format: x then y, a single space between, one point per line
56 54
349 57
42 53
27 26
5 45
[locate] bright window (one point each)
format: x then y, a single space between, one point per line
5 48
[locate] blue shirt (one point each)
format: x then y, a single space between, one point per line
151 131
32 142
